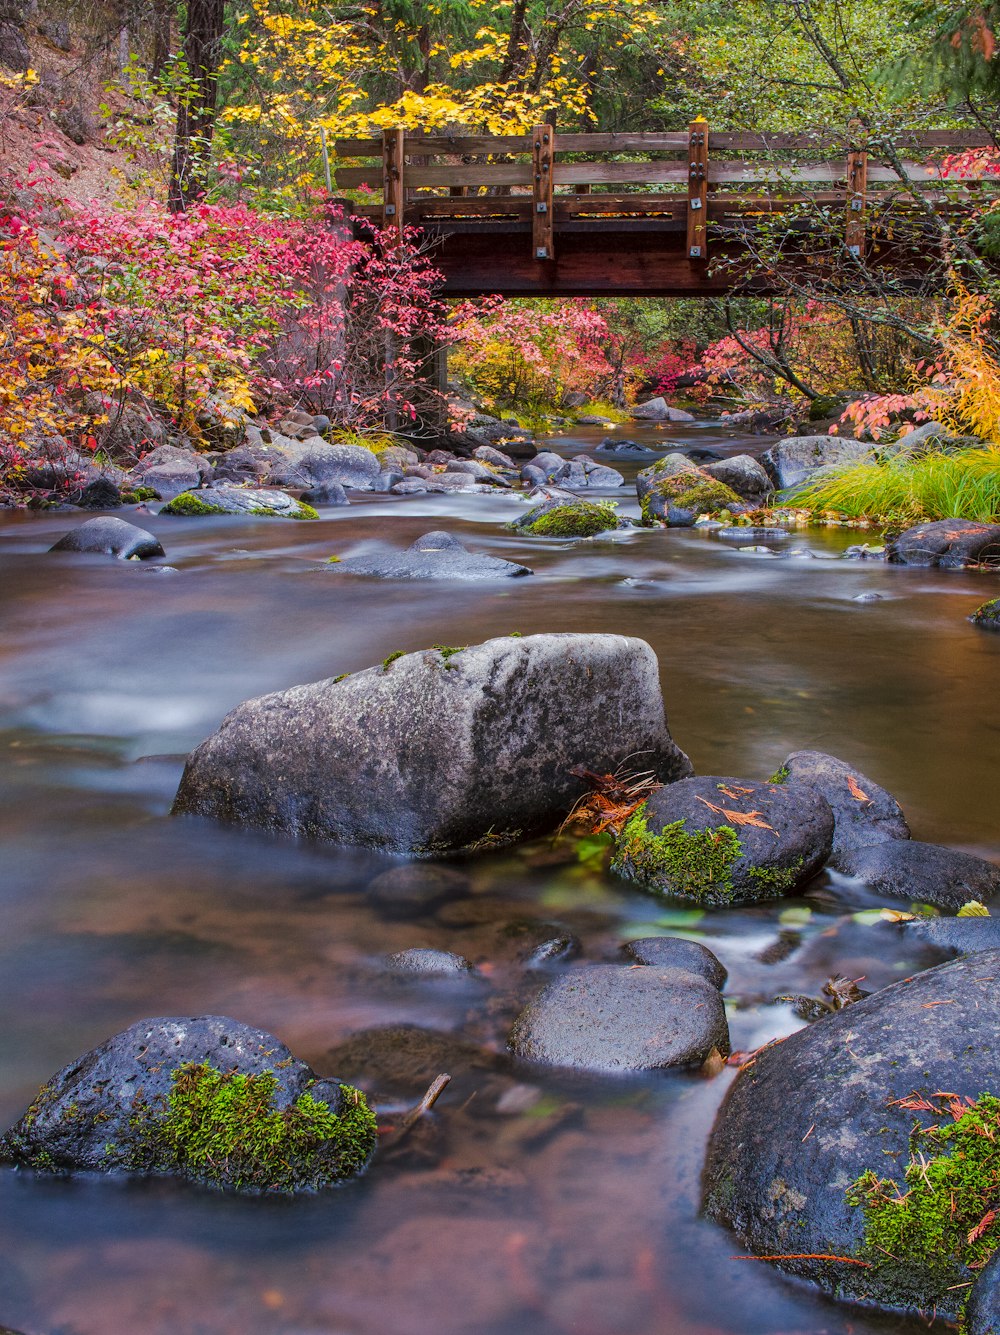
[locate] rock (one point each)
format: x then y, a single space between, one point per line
863 813
669 466
606 1017
628 448
594 474
753 533
553 950
438 750
130 428
676 952
725 841
982 1314
400 1061
955 936
428 963
57 32
14 51
434 556
222 422
246 463
75 121
313 463
562 519
553 467
321 423
385 483
797 458
742 474
987 617
681 497
100 493
170 470
592 419
227 500
949 543
397 458
110 537
925 873
658 410
488 455
868 598
416 889
708 456
191 1098
473 468
811 1114
330 493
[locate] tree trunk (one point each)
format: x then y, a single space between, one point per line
196 107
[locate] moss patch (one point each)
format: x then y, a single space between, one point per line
945 1225
687 491
581 519
780 775
988 615
448 652
224 1130
187 503
695 864
389 659
775 880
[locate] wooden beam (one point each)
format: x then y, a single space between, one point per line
393 188
857 190
542 150
697 207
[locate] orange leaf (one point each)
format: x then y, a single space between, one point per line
734 793
857 793
982 1226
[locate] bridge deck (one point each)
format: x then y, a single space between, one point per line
652 214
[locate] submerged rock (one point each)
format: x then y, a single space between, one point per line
955 936
949 543
608 1017
330 493
567 519
721 841
206 1099
810 1115
445 749
228 500
425 963
415 889
863 813
928 873
110 537
436 555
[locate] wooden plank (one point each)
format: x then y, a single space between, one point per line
542 160
779 140
393 189
471 145
854 205
484 206
357 148
697 204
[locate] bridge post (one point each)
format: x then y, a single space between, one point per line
543 139
393 189
857 189
697 210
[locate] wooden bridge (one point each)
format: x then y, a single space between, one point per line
647 214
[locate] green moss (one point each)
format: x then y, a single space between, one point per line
580 519
448 652
687 491
305 512
939 1231
187 503
341 677
332 560
780 775
388 661
134 495
690 864
776 880
223 1129
988 615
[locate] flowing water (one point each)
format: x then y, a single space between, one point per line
529 1201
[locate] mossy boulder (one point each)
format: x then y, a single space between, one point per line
440 750
814 1122
567 519
228 500
987 616
208 1100
668 466
719 841
676 499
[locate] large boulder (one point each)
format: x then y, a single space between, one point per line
743 474
811 1115
109 536
658 410
562 519
170 470
230 500
982 1315
439 750
948 937
670 465
797 458
434 556
721 841
676 500
950 543
863 813
607 1017
312 463
206 1099
927 873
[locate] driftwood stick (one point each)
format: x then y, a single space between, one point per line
410 1119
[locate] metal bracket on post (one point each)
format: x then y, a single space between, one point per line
697 210
543 144
393 189
856 203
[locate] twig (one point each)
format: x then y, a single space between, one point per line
414 1115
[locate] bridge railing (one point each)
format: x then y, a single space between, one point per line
695 181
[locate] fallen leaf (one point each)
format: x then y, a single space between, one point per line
755 818
857 793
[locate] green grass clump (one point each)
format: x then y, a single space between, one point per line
223 1129
691 865
908 488
945 1225
780 775
599 408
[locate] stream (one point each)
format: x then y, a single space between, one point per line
530 1201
